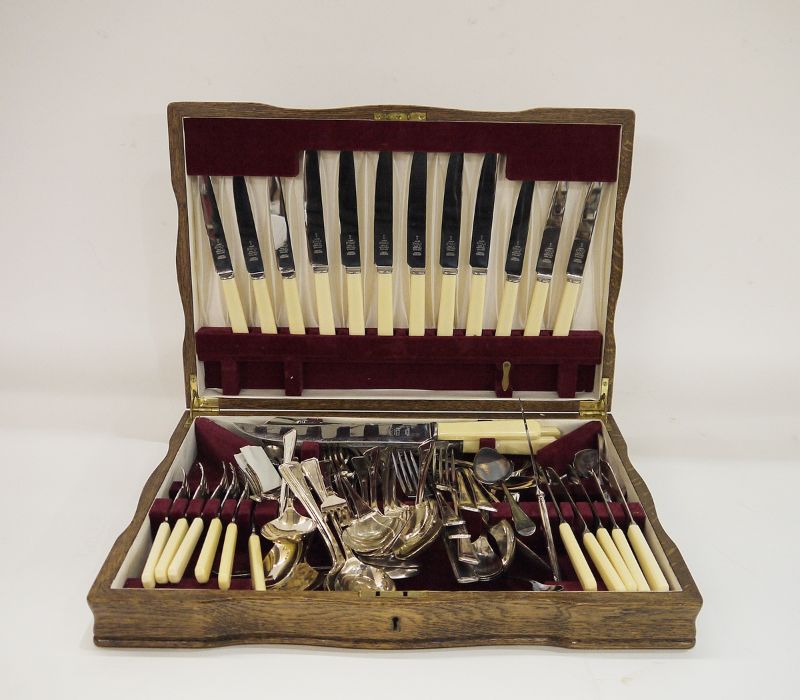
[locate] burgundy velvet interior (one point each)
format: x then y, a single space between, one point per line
534 151
216 444
293 363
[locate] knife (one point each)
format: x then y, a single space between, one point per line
282 240
479 245
515 257
221 256
415 242
577 260
317 247
448 246
350 247
252 256
383 253
546 259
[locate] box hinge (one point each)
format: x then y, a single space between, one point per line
201 405
596 408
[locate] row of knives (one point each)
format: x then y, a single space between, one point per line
384 253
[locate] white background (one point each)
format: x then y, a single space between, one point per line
707 378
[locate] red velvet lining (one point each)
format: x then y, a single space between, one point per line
534 151
293 363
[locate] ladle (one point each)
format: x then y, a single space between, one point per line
492 468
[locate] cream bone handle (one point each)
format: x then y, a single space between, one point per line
647 560
629 558
477 297
416 303
533 325
566 308
205 561
180 561
602 564
256 562
264 310
615 557
355 302
578 561
447 303
385 301
170 549
508 306
508 428
322 289
233 304
159 541
226 559
291 299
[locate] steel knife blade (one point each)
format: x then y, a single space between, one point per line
480 243
317 246
282 241
449 243
383 246
350 249
416 248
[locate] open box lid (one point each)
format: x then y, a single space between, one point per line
229 371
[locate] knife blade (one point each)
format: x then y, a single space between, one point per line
220 255
515 257
449 244
416 235
282 241
252 256
383 248
480 243
317 245
577 260
547 256
349 242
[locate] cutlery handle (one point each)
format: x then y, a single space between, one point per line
502 428
416 304
508 305
256 563
447 305
233 303
650 568
385 303
579 563
226 560
355 303
614 556
477 295
202 570
264 310
522 523
566 309
180 561
294 312
629 558
322 288
533 326
174 541
149 571
602 564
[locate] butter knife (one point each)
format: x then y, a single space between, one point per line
282 240
349 242
221 256
544 263
416 235
480 243
317 245
515 257
252 256
383 248
577 260
449 244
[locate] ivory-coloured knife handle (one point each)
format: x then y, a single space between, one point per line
566 308
614 556
226 559
385 304
647 560
629 558
355 303
416 304
447 305
294 312
579 563
322 288
477 296
202 570
174 541
533 325
149 571
233 303
509 447
509 428
602 564
508 305
256 563
264 310
180 561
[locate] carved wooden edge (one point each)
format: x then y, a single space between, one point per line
178 111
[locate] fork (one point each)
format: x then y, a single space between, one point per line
331 502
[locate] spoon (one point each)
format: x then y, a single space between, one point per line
492 468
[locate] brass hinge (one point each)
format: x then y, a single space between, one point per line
596 408
400 116
200 405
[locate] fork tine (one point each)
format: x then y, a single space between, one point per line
398 474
